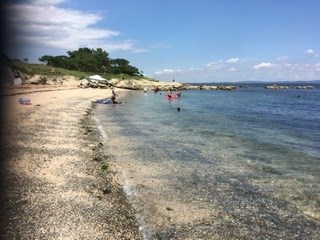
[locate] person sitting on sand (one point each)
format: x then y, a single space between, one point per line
114 99
114 96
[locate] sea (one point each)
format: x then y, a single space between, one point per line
240 164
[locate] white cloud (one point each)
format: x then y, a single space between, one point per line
282 58
43 24
159 45
47 2
216 71
233 60
167 71
210 64
309 51
213 66
262 65
317 67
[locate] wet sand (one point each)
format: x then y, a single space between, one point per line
56 182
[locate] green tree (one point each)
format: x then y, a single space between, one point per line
90 60
103 60
83 59
120 65
60 61
49 60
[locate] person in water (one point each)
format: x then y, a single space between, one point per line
157 89
169 94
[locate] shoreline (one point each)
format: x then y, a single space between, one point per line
66 177
56 181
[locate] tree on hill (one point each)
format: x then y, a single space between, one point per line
120 65
90 60
48 59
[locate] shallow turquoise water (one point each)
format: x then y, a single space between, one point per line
230 163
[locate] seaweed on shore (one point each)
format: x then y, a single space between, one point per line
108 189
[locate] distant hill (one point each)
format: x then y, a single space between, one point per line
30 69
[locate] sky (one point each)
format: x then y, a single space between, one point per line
183 40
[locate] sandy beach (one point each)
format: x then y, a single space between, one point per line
56 181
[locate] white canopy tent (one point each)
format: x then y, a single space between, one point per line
97 80
97 77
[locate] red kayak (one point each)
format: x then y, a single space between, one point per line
172 96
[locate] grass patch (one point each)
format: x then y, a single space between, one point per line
104 167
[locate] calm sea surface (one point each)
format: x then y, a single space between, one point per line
241 164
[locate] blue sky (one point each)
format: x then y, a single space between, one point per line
189 41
